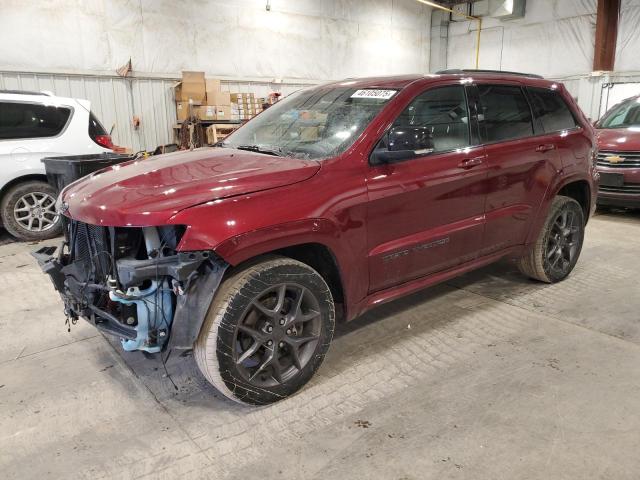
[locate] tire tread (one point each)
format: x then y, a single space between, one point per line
532 263
205 348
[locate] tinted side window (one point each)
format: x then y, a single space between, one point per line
443 113
503 113
552 111
31 120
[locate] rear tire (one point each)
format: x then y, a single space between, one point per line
558 245
267 331
30 203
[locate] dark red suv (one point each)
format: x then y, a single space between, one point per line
334 200
619 155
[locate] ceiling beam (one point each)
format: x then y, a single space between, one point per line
606 35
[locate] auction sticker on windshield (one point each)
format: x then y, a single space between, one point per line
370 93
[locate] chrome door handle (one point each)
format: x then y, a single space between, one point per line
471 162
545 148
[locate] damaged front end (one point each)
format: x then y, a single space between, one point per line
131 282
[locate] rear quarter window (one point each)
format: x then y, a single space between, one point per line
95 127
31 120
551 110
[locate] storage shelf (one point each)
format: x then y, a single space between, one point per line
216 122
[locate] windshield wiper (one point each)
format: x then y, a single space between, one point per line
259 149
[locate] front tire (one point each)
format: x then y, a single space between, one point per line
28 211
559 243
267 331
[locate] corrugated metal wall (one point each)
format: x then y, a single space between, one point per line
116 100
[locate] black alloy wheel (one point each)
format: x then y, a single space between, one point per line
278 334
559 243
564 241
267 331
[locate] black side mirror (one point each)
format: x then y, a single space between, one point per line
409 138
403 143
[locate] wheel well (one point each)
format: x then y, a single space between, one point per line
25 178
322 260
581 193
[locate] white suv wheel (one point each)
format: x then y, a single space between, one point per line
36 212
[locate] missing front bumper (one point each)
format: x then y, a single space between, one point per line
150 304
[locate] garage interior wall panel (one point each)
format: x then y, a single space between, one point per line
297 39
628 43
555 38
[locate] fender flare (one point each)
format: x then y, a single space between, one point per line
552 192
248 245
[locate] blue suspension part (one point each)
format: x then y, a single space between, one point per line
154 308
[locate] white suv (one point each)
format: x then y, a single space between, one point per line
33 126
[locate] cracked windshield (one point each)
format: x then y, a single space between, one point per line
313 124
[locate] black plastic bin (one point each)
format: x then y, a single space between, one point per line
61 171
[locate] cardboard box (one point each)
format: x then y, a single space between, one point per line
206 112
243 98
214 95
218 98
192 87
212 85
223 112
182 110
214 112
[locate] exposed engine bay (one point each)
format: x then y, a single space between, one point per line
131 282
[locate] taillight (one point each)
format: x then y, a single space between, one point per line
104 141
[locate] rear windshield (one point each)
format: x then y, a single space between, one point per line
624 115
31 120
95 127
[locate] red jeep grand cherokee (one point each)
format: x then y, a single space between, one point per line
619 155
336 199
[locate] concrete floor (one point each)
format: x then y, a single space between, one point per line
490 376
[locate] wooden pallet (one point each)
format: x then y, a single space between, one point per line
212 131
218 131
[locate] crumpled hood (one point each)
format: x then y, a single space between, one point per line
619 139
150 191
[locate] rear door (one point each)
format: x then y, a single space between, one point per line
28 131
425 214
556 120
521 161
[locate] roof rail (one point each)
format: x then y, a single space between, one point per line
24 92
501 72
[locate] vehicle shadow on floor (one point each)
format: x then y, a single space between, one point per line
360 341
5 238
627 215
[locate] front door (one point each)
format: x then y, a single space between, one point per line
426 212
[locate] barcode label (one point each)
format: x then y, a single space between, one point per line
382 94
